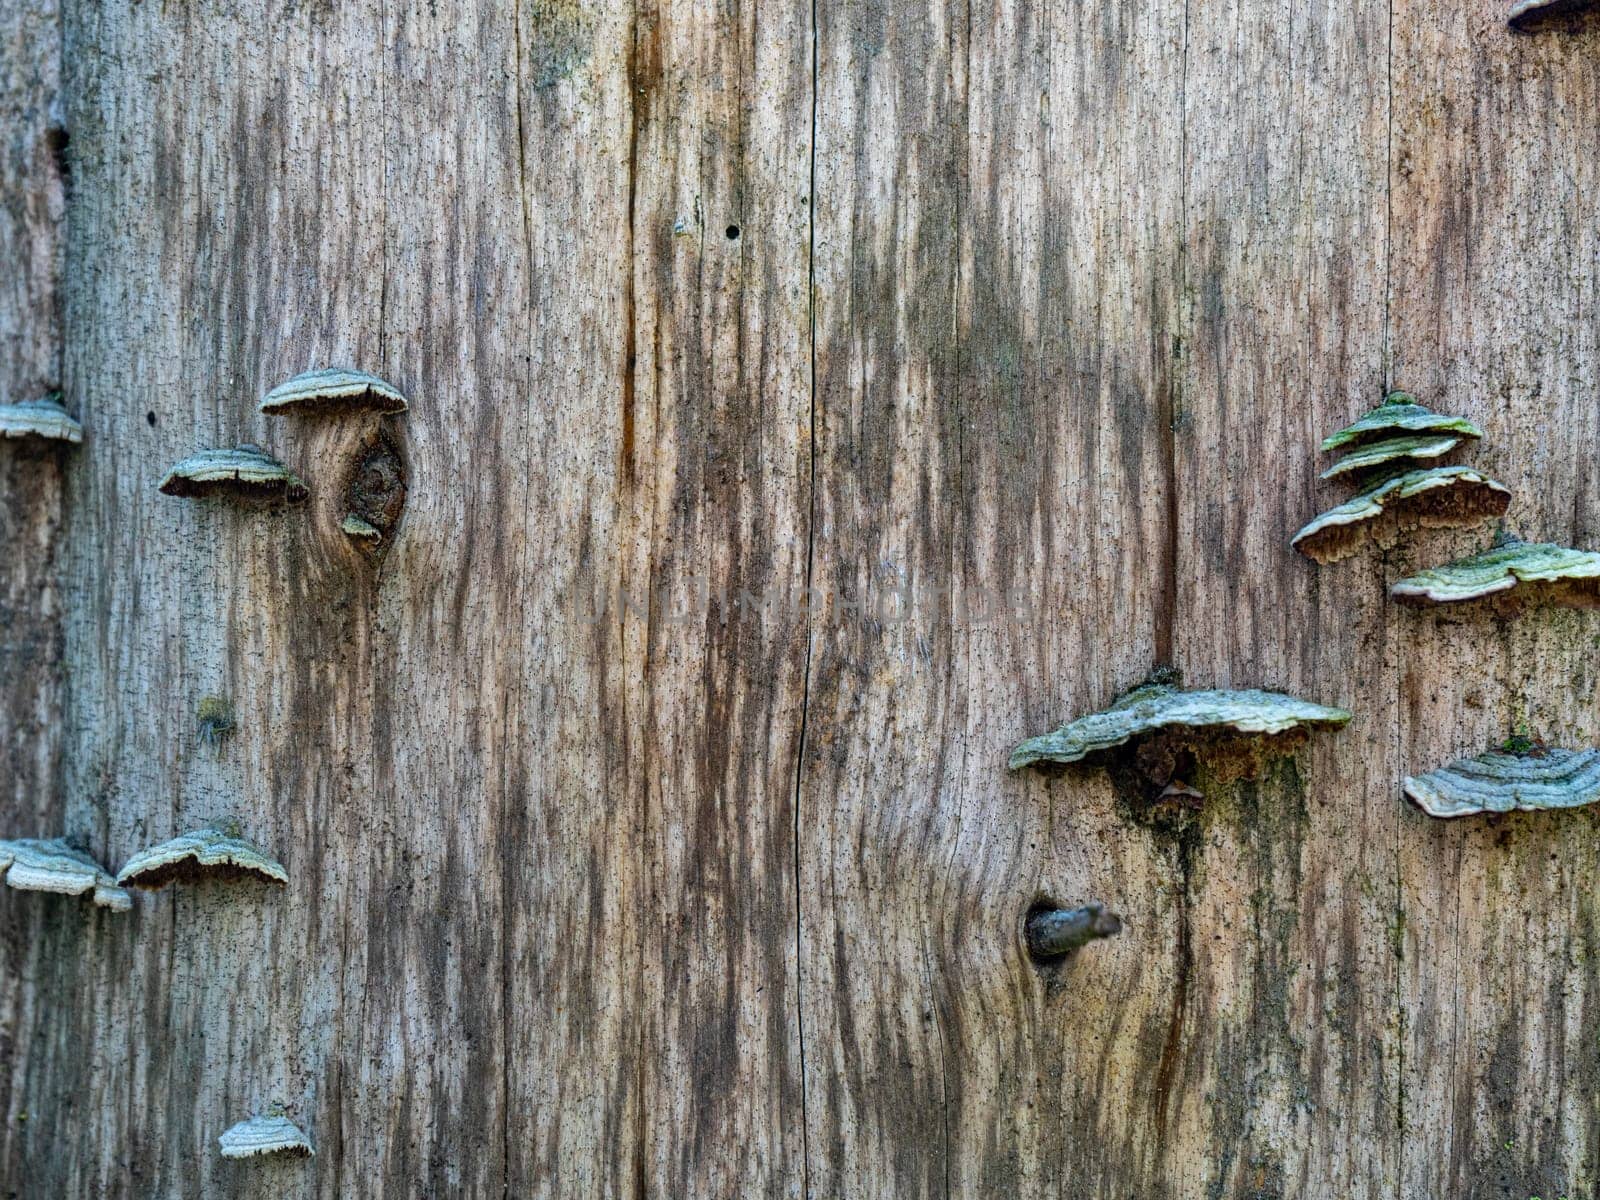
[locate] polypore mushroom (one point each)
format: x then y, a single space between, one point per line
1234 730
1436 497
203 854
1512 778
333 389
51 865
270 1134
245 473
1529 15
361 531
1387 453
1399 414
43 418
1512 571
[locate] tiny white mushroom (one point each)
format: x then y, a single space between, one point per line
265 1135
51 865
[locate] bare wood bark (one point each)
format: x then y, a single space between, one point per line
808 401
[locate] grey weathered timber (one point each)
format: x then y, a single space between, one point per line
808 402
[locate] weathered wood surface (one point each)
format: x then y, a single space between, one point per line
1001 333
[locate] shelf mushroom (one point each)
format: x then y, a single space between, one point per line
246 473
270 1134
1512 572
1233 732
51 865
1510 779
331 390
203 854
1527 16
1384 449
44 418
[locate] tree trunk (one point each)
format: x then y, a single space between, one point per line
808 400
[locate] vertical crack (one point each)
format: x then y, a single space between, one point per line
811 546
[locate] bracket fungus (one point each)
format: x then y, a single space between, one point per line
358 530
1053 932
203 854
245 473
1513 572
1528 16
51 865
1434 497
1233 731
271 1134
1507 780
1384 447
43 418
332 390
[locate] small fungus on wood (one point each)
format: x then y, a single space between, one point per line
244 473
1435 497
271 1134
1388 453
333 390
1232 731
43 418
52 865
215 718
358 530
1529 16
1398 415
1514 573
203 854
1518 776
1053 932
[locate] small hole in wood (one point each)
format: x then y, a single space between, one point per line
733 233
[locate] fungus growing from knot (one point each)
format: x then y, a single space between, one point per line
203 854
1438 497
1399 415
1513 573
44 418
1232 732
1521 775
333 390
270 1134
215 718
52 865
245 474
1530 16
375 494
1054 932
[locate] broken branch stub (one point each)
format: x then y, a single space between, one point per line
1504 780
1233 731
1437 497
1514 573
44 418
265 1135
1053 932
52 865
203 854
245 473
333 390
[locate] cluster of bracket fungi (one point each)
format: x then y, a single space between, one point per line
1156 739
245 474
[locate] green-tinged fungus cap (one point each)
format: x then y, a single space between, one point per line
244 473
1437 496
359 530
1400 414
1536 571
334 389
1154 708
1392 451
51 865
265 1135
1499 782
41 419
205 853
